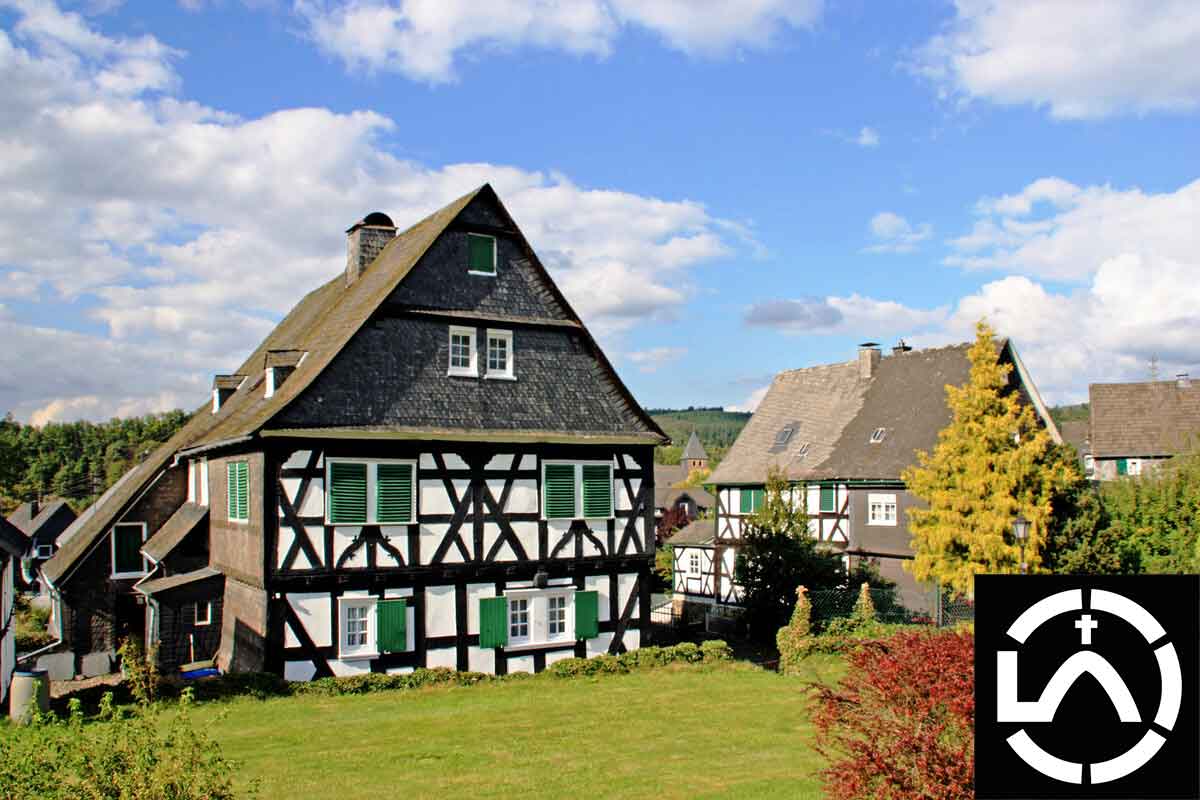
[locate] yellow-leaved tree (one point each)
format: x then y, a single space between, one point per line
993 462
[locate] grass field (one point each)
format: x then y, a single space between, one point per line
724 731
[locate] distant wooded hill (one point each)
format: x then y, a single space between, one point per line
1080 412
716 427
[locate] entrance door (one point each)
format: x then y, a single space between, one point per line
130 619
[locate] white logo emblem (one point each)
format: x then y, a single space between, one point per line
1010 709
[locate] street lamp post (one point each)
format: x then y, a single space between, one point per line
1020 529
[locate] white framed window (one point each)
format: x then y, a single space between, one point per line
462 352
1133 466
1089 465
878 435
126 539
577 490
203 613
694 563
499 363
362 491
881 509
357 634
538 617
45 550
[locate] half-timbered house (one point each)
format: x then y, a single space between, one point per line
429 462
842 434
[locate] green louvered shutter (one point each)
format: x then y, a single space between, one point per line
127 556
493 622
759 494
482 253
747 500
558 491
347 493
391 618
597 491
238 490
829 498
1122 466
587 615
394 493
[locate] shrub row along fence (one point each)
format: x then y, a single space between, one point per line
944 612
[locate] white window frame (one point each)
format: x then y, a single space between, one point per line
372 488
884 501
112 542
878 435
1133 466
228 466
471 371
371 648
694 563
539 618
45 551
507 374
495 254
207 618
578 490
1089 465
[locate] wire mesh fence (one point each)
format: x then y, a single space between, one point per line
932 608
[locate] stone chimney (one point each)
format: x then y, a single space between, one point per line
1183 381
365 240
868 359
901 348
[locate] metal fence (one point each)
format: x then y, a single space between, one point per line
670 625
934 608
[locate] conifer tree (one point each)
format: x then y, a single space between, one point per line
992 463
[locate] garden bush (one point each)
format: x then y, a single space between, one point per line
901 723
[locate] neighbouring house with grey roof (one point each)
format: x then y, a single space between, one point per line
42 523
12 548
1135 427
429 462
843 434
1077 434
668 492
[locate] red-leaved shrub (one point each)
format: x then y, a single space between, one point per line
901 724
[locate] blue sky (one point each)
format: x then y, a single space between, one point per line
721 193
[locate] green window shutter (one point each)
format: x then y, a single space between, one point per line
747 500
394 493
127 545
493 622
391 618
231 489
597 491
481 253
347 493
1122 466
587 615
243 481
759 495
558 491
829 498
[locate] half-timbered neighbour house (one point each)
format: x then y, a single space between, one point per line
842 435
1135 428
429 462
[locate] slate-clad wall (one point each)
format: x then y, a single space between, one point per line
394 373
180 639
237 547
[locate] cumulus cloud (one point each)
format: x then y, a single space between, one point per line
867 137
752 400
895 234
424 41
179 233
1096 60
656 357
854 314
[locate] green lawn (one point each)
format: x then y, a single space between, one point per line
724 731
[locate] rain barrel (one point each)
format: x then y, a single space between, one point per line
28 694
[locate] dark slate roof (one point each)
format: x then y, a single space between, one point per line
1075 433
694 449
174 530
698 531
12 541
159 585
837 411
31 524
321 325
669 496
1158 418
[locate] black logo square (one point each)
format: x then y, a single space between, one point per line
1087 686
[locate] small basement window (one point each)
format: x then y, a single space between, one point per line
878 435
481 254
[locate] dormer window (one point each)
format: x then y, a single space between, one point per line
499 355
462 352
481 254
878 435
279 365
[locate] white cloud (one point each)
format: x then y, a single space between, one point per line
656 358
867 137
751 402
425 40
895 234
855 315
179 233
1079 61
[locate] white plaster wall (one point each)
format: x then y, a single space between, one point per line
630 461
558 655
357 666
599 585
523 497
625 587
286 537
520 664
442 657
624 499
313 611
314 499
633 639
343 536
600 644
454 462
298 670
298 460
475 592
433 498
397 536
439 611
528 462
500 462
481 659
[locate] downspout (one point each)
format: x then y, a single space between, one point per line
55 622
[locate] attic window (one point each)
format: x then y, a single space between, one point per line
481 254
803 451
784 435
878 435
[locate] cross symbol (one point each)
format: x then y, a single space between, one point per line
1086 625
